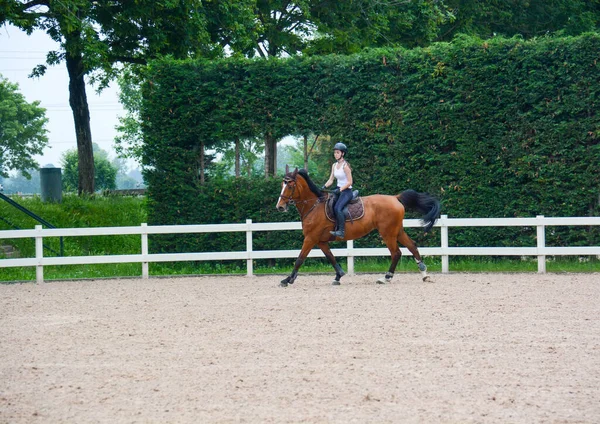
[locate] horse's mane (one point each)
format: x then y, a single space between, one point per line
313 187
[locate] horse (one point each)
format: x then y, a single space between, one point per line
382 212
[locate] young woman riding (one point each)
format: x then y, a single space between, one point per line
342 172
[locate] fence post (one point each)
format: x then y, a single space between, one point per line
145 268
541 244
350 257
445 258
39 255
249 262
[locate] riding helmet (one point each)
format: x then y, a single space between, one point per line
341 147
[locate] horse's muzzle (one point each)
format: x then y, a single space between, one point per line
282 208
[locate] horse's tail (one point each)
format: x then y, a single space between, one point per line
423 203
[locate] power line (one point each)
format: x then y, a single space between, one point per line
24 58
30 69
22 51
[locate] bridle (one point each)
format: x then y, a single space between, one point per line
290 198
300 204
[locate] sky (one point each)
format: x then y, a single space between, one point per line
19 54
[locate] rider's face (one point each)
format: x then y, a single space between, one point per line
337 154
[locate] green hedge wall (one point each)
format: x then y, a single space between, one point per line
495 128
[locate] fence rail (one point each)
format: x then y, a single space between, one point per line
350 252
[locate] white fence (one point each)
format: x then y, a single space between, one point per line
445 223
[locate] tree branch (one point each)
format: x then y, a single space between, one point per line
127 59
34 3
260 50
284 9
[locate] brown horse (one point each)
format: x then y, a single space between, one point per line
381 212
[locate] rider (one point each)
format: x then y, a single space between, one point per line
342 172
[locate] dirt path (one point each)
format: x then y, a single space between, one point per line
512 348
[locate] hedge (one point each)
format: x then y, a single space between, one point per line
494 128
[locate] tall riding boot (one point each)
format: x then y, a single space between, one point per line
341 224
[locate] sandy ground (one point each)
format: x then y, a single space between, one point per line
468 348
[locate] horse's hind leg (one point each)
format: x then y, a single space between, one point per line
339 272
396 254
405 240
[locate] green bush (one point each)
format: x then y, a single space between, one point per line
77 212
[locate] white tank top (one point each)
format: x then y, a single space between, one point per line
340 175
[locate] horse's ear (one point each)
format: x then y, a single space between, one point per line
295 171
287 169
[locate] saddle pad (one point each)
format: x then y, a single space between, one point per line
354 210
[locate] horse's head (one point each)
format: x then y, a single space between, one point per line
288 190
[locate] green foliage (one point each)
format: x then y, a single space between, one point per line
22 132
349 26
77 212
496 128
105 174
532 18
97 36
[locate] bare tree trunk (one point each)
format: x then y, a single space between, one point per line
81 117
237 157
305 152
270 155
201 160
248 163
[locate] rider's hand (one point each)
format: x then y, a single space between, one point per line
323 187
336 191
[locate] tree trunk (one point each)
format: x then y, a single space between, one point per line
237 157
201 163
305 152
81 117
270 155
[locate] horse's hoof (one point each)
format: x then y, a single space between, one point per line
283 283
426 279
335 283
383 280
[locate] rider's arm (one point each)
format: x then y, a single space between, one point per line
330 180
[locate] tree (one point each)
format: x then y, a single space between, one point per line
284 27
515 17
22 183
22 132
245 159
273 28
348 27
105 177
95 36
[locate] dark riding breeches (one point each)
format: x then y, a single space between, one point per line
343 199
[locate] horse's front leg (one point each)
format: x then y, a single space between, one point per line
306 246
339 272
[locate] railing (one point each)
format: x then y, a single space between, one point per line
32 215
350 252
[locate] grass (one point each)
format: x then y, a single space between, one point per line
362 265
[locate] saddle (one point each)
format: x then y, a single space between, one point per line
353 211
